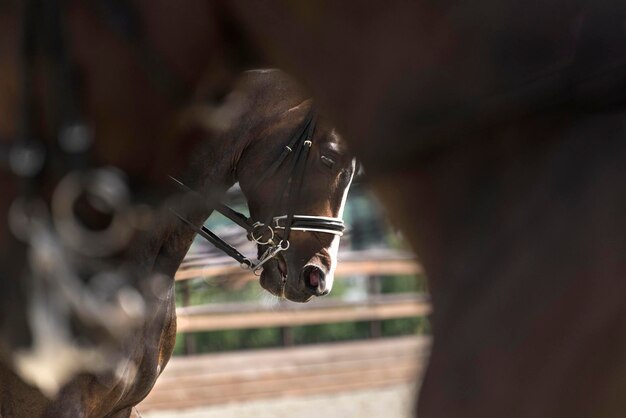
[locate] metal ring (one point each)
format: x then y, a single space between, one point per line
258 240
308 143
280 244
109 186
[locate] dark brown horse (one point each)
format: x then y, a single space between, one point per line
256 122
101 340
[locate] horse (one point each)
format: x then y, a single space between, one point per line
98 318
257 121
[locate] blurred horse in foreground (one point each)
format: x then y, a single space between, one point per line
89 127
494 134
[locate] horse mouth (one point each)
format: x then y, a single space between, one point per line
274 276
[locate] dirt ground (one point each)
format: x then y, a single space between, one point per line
387 402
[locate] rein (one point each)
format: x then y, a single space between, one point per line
267 233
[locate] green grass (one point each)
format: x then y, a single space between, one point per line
403 284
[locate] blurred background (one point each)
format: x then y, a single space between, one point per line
242 352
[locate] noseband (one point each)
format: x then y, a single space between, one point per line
275 230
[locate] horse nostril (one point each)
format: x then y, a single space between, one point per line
315 280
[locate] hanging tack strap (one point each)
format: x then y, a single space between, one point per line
299 142
237 217
289 148
215 240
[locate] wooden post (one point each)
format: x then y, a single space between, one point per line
373 289
286 335
189 339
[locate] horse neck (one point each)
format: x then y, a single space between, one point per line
210 173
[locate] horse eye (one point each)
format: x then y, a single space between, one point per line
328 162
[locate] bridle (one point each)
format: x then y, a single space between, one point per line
275 230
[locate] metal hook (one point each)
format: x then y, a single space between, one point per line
258 225
270 253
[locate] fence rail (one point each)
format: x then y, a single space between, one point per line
239 315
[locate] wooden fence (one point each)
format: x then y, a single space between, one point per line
373 308
199 380
247 315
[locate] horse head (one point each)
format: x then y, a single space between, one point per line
296 177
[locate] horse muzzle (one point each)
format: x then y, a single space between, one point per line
296 283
